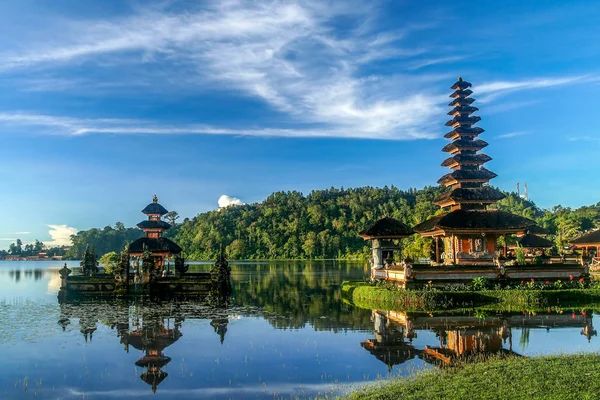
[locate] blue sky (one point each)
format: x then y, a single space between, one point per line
103 104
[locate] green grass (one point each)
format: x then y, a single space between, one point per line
554 377
383 298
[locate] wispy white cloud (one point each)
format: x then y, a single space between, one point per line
226 201
512 134
586 138
60 234
493 90
286 53
427 62
283 52
48 124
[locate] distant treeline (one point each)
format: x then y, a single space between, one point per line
32 250
322 224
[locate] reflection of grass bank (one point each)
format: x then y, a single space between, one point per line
387 298
554 377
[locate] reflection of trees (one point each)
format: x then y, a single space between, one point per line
524 339
294 294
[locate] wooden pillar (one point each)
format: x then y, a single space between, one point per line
453 249
505 246
437 249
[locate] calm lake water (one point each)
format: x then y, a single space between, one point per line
287 334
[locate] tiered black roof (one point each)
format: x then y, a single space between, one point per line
467 180
154 208
153 224
534 242
465 144
475 159
476 220
589 238
484 193
464 131
480 174
387 228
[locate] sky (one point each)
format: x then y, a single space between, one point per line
104 104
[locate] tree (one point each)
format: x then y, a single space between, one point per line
110 262
172 217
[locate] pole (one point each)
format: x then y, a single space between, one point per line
437 249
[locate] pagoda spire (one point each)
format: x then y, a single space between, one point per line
468 179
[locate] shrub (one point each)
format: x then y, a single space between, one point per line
480 283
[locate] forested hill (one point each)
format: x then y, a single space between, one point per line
322 224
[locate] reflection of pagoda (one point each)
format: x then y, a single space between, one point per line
468 230
153 337
159 246
461 337
461 344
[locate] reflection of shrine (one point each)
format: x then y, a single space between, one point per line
149 328
461 337
152 336
390 345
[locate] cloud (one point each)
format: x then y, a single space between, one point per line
60 234
512 134
21 233
59 125
226 201
287 54
496 89
427 62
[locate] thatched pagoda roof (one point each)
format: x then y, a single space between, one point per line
149 224
463 120
480 174
386 228
160 245
154 207
462 93
534 242
467 159
484 194
464 131
475 221
592 238
460 84
463 144
461 101
463 110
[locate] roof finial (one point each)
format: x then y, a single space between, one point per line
155 199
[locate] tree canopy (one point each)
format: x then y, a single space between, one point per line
321 224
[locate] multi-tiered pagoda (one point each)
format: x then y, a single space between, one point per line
154 242
468 229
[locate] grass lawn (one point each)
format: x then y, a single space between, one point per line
553 377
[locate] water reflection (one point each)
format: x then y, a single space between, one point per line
462 337
286 333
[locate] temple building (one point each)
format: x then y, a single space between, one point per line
467 232
153 227
382 235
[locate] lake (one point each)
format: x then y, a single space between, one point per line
286 334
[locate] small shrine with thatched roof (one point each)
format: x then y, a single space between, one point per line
382 234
